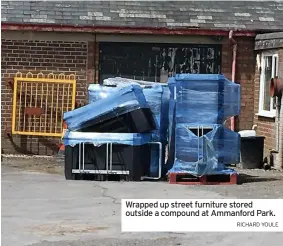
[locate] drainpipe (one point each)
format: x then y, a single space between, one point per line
280 136
280 132
234 62
276 91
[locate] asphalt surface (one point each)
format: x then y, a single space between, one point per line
41 209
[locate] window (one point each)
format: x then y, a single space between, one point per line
269 70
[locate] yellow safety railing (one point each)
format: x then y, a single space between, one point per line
39 103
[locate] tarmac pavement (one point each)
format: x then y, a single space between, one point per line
41 209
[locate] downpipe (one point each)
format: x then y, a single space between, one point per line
159 166
280 135
234 64
276 91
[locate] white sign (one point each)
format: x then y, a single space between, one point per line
202 215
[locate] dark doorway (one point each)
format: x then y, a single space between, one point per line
157 62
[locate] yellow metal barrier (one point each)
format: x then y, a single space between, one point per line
39 102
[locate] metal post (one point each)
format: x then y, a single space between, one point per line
83 156
202 144
198 144
107 157
111 146
79 156
160 162
109 161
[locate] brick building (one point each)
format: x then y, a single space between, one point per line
142 40
269 57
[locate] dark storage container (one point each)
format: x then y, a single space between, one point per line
136 121
252 152
135 159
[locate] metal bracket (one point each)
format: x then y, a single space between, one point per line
200 134
160 162
109 162
8 132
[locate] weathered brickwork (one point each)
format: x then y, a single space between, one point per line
266 126
82 58
244 76
38 56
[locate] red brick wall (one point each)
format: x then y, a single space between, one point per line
244 76
82 58
280 63
93 62
280 74
266 126
38 56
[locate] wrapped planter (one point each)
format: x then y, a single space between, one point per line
108 153
199 105
205 150
119 103
157 97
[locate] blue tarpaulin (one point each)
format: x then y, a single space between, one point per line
207 153
205 98
156 95
189 114
120 102
72 138
199 106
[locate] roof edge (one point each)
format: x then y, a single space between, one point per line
124 30
268 36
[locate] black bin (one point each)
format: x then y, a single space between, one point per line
137 120
135 159
252 152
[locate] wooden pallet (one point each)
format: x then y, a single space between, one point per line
188 179
102 177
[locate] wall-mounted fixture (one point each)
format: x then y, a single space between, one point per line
276 87
276 91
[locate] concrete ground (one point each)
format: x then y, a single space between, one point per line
41 208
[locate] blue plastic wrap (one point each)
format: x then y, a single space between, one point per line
164 121
205 98
97 139
126 99
171 125
172 103
97 92
196 101
72 138
157 96
124 82
153 96
159 105
208 153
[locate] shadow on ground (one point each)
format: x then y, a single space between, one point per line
245 178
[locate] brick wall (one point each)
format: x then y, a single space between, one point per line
38 56
280 74
280 63
266 126
93 62
245 68
82 58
